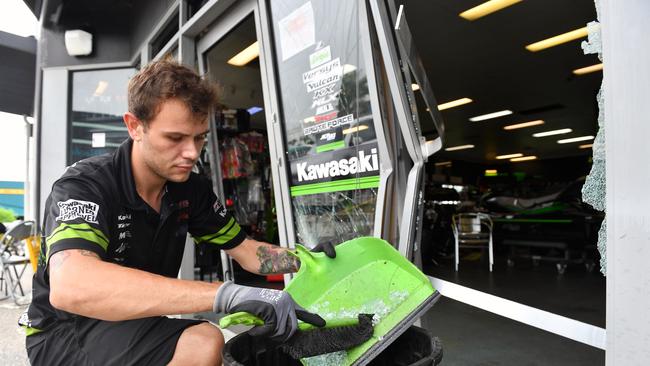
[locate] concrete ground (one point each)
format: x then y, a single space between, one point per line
12 346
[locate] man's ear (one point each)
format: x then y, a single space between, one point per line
134 125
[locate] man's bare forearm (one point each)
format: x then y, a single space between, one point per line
263 258
83 284
274 260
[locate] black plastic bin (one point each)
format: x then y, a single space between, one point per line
415 347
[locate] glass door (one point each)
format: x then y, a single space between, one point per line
238 146
335 155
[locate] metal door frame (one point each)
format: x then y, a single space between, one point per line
229 18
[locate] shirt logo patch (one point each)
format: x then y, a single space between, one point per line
76 209
219 209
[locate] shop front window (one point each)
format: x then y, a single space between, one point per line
331 146
99 99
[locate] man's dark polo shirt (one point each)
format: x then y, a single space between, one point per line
95 206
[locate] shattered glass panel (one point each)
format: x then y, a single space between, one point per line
335 217
593 43
331 146
593 192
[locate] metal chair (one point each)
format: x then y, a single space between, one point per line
12 256
472 230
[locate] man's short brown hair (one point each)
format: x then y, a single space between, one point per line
162 80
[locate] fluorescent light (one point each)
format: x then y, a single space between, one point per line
524 158
355 129
554 132
588 69
586 146
454 103
557 40
253 110
461 147
509 156
415 87
491 115
575 139
486 8
101 88
524 125
444 163
247 55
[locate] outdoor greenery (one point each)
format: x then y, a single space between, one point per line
6 215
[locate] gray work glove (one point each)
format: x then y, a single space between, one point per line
276 308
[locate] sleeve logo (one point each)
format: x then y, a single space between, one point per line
75 209
219 209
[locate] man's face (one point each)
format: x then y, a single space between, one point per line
172 141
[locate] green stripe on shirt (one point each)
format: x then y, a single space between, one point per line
76 231
30 331
227 233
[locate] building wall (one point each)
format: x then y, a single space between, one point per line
107 47
117 38
53 126
118 34
149 14
626 81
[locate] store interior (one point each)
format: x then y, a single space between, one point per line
514 178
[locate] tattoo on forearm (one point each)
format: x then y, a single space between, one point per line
276 260
57 259
88 253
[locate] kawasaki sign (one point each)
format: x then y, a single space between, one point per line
356 167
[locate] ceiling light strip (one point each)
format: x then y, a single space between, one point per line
586 146
524 125
553 132
486 8
524 158
588 69
247 55
461 147
454 103
509 156
491 115
557 40
575 139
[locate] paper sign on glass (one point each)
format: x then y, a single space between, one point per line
297 31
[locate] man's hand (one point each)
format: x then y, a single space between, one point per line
327 248
278 310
